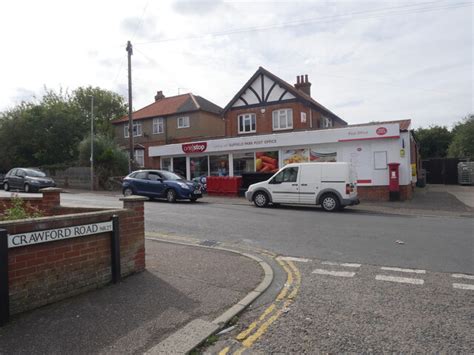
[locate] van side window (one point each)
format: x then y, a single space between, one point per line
287 175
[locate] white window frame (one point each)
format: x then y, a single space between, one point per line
183 122
326 122
158 125
287 115
139 156
137 130
303 117
247 117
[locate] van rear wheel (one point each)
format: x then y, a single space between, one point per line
330 202
260 199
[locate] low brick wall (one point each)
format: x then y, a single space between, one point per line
43 273
381 193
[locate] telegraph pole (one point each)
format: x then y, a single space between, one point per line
92 143
130 121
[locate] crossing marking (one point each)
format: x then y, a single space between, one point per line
415 271
340 264
334 273
463 286
406 280
463 276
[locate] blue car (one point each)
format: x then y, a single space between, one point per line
160 184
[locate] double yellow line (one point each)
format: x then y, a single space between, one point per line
286 296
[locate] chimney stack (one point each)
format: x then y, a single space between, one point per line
159 95
303 85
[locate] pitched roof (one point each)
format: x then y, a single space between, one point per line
404 124
173 105
290 88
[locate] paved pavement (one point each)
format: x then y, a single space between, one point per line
181 284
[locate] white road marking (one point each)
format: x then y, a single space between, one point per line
340 264
291 258
415 271
334 273
405 280
463 276
463 286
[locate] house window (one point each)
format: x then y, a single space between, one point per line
282 119
137 130
158 125
247 123
326 122
140 157
303 117
183 122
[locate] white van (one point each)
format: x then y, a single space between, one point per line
331 185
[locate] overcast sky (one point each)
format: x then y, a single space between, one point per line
366 60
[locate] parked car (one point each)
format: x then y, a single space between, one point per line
161 184
27 179
331 185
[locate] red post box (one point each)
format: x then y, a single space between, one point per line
394 181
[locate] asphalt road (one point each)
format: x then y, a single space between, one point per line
441 244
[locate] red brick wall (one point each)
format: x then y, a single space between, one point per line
381 193
49 204
265 121
43 273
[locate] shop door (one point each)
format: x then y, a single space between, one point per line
284 186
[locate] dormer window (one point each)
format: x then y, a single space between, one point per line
326 122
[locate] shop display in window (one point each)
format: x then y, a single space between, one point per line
266 162
244 163
321 156
295 156
199 167
219 165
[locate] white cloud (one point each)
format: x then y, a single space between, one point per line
411 63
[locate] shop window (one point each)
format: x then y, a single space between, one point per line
282 119
166 164
219 165
158 125
247 123
140 157
137 130
295 156
244 163
179 166
319 155
266 162
199 167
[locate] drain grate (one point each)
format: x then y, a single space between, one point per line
209 243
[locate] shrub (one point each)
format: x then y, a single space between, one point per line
20 210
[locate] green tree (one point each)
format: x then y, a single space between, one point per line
109 159
462 145
434 141
108 105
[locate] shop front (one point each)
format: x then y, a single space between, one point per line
368 148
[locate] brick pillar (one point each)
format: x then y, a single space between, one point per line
132 231
51 199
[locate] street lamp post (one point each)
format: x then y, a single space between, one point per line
92 143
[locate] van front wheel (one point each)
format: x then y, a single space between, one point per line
330 202
260 199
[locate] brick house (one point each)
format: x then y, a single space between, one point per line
267 104
168 120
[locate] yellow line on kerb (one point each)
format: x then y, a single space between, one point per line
224 351
250 340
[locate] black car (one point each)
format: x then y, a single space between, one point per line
26 179
161 184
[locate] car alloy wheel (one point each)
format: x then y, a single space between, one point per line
27 188
6 187
330 203
171 195
128 192
260 199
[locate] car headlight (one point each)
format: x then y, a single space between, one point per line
183 185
